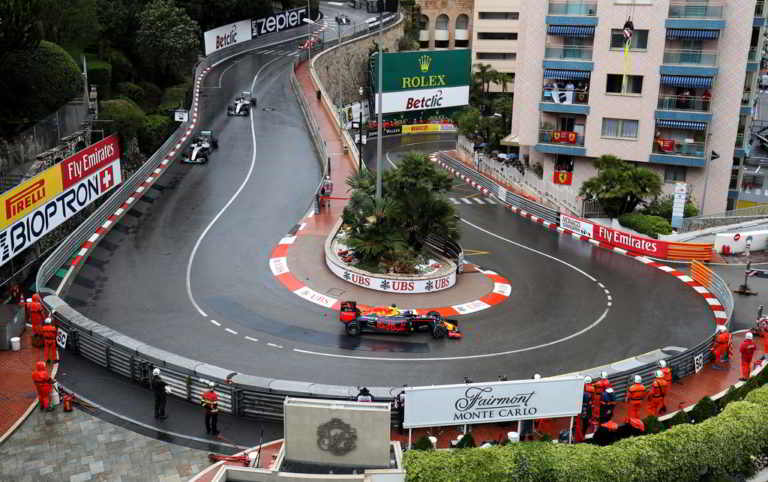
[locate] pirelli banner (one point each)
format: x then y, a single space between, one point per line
39 205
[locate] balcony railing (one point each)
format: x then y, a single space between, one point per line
696 10
566 138
684 102
746 98
568 53
759 8
586 9
739 140
565 96
674 147
690 57
752 56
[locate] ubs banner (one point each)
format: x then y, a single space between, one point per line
424 80
36 207
473 403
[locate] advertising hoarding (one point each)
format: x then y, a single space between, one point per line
492 402
631 242
226 36
390 285
424 69
418 100
38 206
576 225
278 22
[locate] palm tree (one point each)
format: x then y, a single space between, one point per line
485 72
502 79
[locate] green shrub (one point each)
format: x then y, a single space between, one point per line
732 395
662 206
153 95
652 425
122 67
422 443
154 131
467 441
650 225
174 98
718 447
127 116
131 91
679 418
35 83
100 75
703 410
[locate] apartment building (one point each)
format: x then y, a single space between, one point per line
685 88
445 24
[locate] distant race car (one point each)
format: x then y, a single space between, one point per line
392 320
343 19
200 148
242 104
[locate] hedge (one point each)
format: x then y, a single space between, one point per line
650 225
100 74
131 91
154 131
35 83
153 95
127 116
122 67
719 446
174 98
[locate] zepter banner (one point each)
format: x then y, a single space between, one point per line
278 22
227 36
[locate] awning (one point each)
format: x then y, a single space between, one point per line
572 30
510 140
689 125
687 81
694 34
556 74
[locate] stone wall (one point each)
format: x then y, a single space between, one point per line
344 69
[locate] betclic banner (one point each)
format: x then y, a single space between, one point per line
227 36
417 100
492 402
36 207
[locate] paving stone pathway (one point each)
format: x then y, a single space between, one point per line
76 447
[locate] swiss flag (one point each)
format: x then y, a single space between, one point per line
106 179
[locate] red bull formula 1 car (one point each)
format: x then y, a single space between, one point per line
392 320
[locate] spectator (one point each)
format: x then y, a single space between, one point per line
364 395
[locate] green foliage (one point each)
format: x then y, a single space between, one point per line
652 425
127 116
468 121
174 98
680 418
154 131
719 447
100 75
122 67
119 22
422 443
662 206
732 395
131 91
703 410
34 84
153 95
642 223
466 442
167 41
74 22
20 28
620 186
387 233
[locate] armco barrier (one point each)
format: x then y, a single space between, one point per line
241 395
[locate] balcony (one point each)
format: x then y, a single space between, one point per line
752 56
584 9
696 10
568 138
568 53
684 103
759 9
703 58
565 101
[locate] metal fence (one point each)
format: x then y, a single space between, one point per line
725 218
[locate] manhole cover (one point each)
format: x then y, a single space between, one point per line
268 109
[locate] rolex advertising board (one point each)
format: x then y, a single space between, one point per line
424 80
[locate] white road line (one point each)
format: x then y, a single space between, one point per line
230 331
453 200
478 200
225 71
215 322
274 346
465 200
490 201
590 277
255 340
226 206
466 357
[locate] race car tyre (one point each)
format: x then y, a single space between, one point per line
353 329
434 314
203 159
214 144
439 332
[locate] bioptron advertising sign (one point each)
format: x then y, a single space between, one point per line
244 30
423 80
492 402
37 206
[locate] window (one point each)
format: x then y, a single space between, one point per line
497 36
499 15
639 39
620 128
462 22
615 84
674 173
496 56
442 22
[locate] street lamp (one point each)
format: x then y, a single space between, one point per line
380 105
360 133
309 30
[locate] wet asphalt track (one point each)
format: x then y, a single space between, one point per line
135 282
